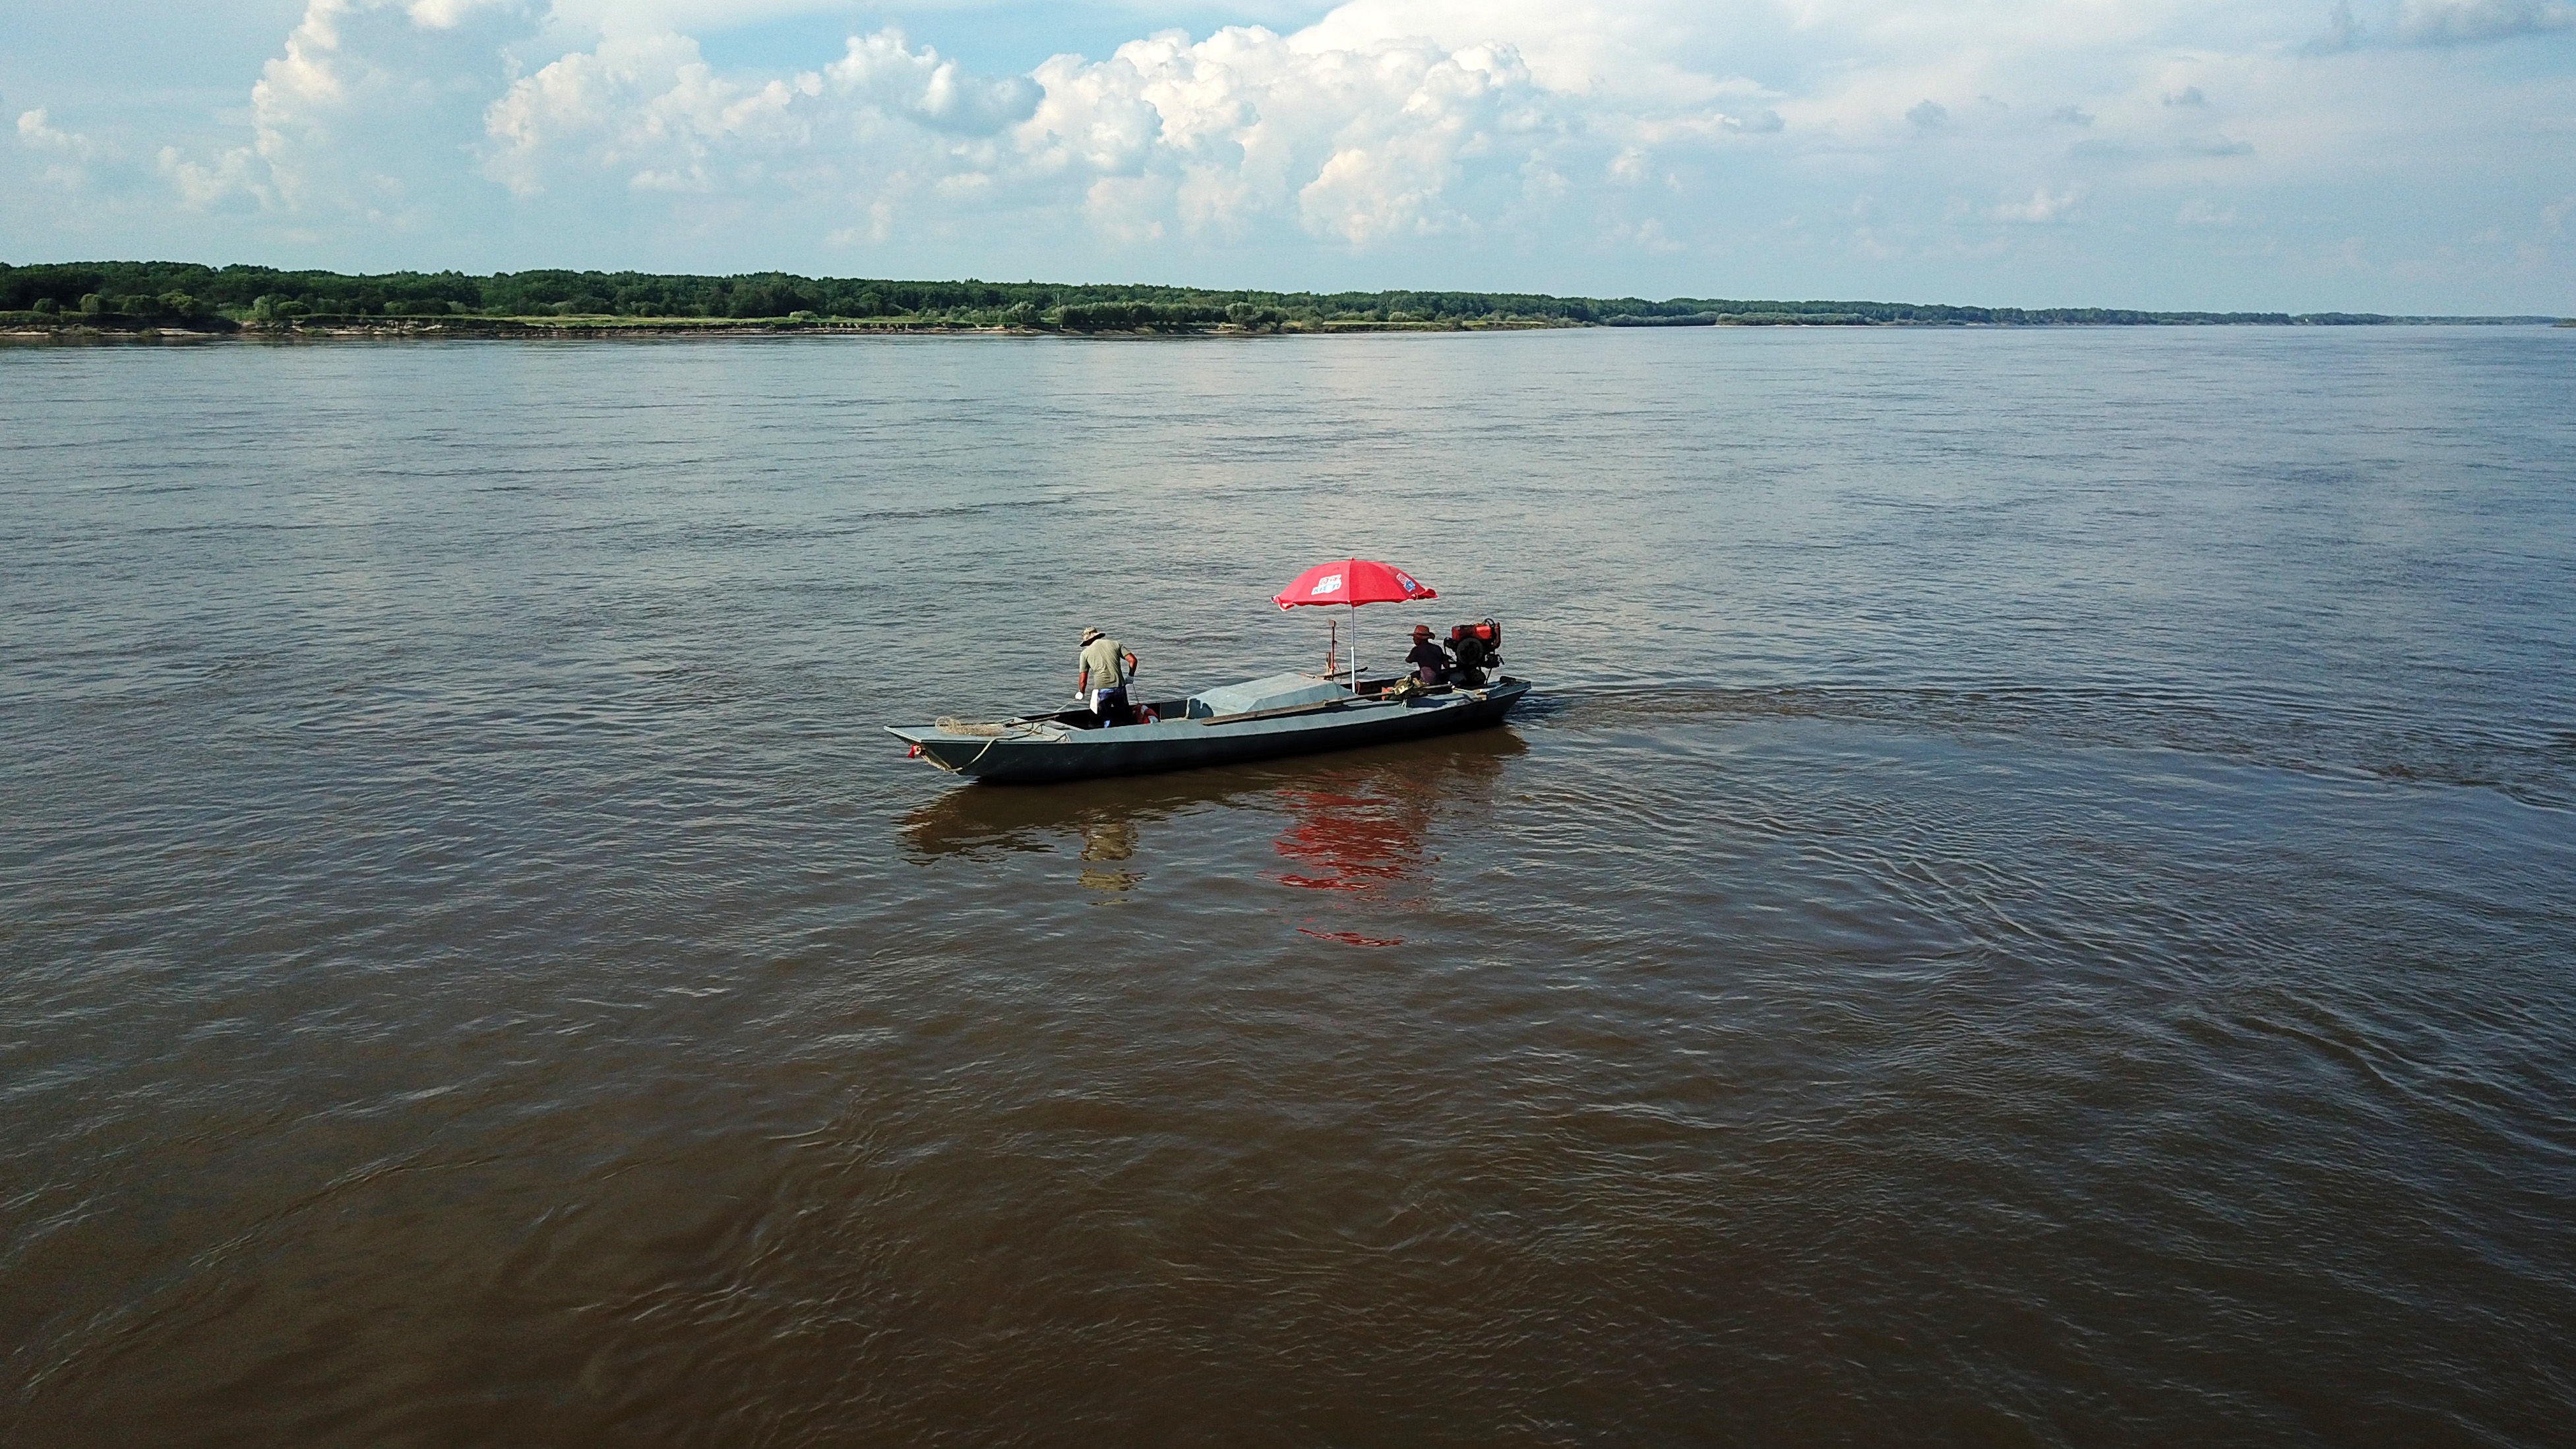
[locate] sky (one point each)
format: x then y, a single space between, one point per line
2412 156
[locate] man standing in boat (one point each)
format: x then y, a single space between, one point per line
1104 671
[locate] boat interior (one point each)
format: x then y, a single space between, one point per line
1477 649
1213 706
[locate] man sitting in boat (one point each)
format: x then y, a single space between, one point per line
1104 671
1430 662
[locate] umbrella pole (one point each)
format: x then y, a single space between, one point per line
1355 646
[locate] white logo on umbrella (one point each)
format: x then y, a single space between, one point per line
1325 585
1402 578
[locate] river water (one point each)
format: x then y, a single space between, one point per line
2032 903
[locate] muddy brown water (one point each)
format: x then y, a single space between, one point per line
2032 903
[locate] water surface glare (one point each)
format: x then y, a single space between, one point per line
2033 903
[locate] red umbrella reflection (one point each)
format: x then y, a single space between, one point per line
1362 844
1353 842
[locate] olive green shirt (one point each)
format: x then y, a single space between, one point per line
1106 663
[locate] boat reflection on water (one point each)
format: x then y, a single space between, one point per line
1107 816
1357 825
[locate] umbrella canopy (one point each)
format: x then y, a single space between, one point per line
1352 581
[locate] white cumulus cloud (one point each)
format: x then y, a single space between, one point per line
2044 205
1400 138
1165 136
66 154
36 129
360 112
648 109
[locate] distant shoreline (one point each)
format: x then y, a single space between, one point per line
105 300
29 327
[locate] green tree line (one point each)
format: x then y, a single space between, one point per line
190 292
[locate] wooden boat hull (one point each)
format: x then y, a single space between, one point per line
1029 758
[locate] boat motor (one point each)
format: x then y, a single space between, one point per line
1477 648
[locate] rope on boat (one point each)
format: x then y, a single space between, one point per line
993 734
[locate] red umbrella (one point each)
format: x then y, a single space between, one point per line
1352 581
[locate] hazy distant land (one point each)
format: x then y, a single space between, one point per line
74 298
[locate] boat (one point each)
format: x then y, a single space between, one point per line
1252 719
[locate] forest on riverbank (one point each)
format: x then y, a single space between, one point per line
192 297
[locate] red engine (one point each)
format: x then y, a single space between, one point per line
1478 648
